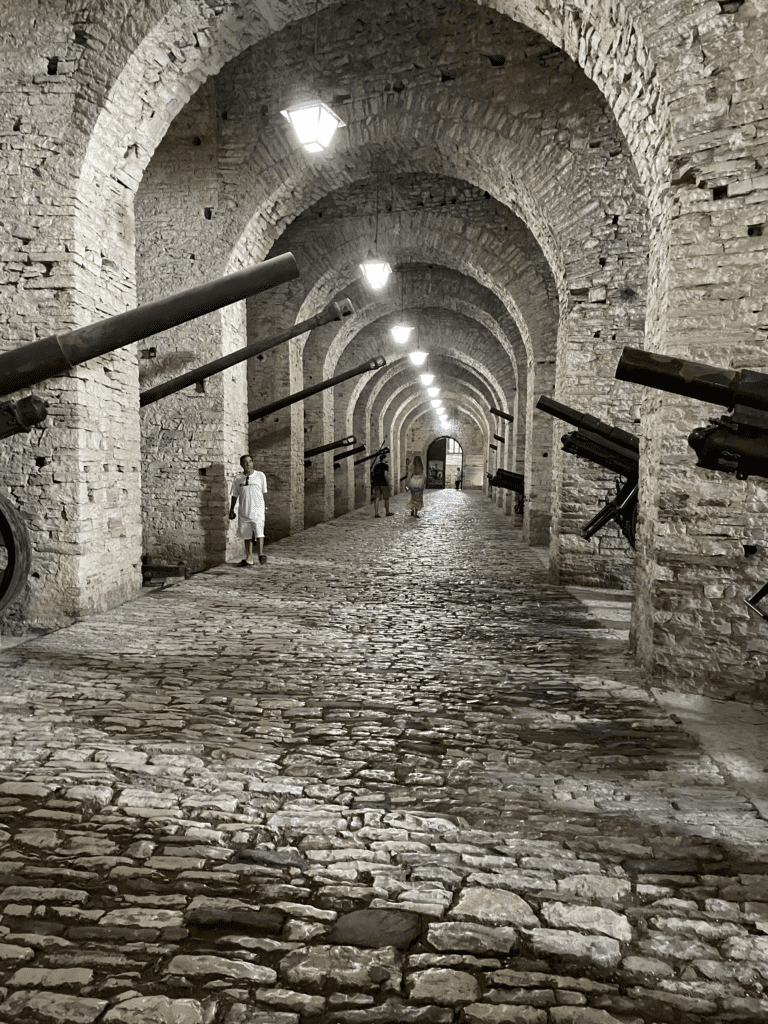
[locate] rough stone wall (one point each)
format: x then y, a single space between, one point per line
67 262
191 440
709 273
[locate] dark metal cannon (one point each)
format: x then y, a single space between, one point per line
333 311
735 443
376 454
346 455
504 415
282 403
608 446
341 443
507 480
38 361
31 364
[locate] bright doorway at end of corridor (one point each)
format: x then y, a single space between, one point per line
444 458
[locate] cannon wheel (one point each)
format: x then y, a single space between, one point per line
15 539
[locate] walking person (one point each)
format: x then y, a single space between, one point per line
248 490
380 486
417 481
458 478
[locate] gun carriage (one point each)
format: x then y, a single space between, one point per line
611 447
735 443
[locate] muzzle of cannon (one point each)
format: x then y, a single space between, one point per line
509 481
32 364
282 403
333 311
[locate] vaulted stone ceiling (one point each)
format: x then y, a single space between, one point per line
477 158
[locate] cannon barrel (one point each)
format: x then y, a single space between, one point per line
376 454
507 479
341 443
504 415
31 364
695 380
346 455
592 423
281 403
333 311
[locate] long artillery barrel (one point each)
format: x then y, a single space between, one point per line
281 403
333 311
31 364
346 455
696 380
592 423
341 443
376 454
504 415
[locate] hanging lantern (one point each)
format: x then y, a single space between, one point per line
314 124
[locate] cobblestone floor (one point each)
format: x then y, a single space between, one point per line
394 775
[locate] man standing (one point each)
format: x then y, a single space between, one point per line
248 490
457 481
380 485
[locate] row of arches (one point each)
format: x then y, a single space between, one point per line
551 182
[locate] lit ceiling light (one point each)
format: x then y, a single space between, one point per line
400 333
314 124
426 379
433 392
376 272
436 403
418 358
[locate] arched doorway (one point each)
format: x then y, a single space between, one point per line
444 457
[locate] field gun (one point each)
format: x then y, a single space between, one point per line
611 447
735 443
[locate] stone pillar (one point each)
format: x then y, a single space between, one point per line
277 441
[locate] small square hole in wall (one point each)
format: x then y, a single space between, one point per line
203 472
754 230
720 192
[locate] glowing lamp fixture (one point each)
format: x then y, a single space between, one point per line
314 124
376 272
400 333
436 403
418 358
433 392
426 379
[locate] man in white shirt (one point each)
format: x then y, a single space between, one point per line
248 490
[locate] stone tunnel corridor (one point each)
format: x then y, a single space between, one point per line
393 775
